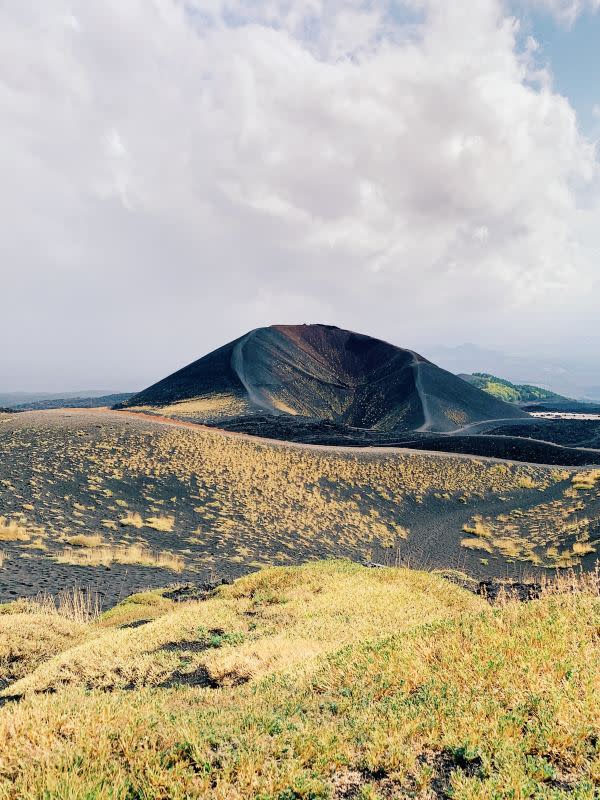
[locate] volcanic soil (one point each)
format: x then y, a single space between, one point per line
120 502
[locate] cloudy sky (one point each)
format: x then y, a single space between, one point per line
176 172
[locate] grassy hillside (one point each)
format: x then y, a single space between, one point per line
326 681
510 392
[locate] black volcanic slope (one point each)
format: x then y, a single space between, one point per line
325 373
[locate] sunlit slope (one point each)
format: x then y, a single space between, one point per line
323 372
512 392
271 620
327 682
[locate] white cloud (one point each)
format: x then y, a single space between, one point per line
566 11
170 165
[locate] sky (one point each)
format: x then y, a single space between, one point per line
178 172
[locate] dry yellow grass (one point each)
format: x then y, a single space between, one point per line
359 495
114 554
541 534
210 408
12 531
161 523
527 482
507 546
478 528
141 606
133 519
33 630
28 639
279 617
586 480
476 543
36 544
85 540
75 604
583 548
362 684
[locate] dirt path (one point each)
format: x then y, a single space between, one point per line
427 424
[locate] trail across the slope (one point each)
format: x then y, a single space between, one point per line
239 367
427 424
475 427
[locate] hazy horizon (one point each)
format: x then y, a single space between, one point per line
575 378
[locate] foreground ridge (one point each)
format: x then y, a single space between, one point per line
325 681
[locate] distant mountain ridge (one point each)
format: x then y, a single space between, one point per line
27 399
326 373
73 402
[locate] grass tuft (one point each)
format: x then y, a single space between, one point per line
76 604
133 519
161 523
12 531
133 554
85 540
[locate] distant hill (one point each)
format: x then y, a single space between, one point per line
511 392
570 376
26 399
73 402
323 372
